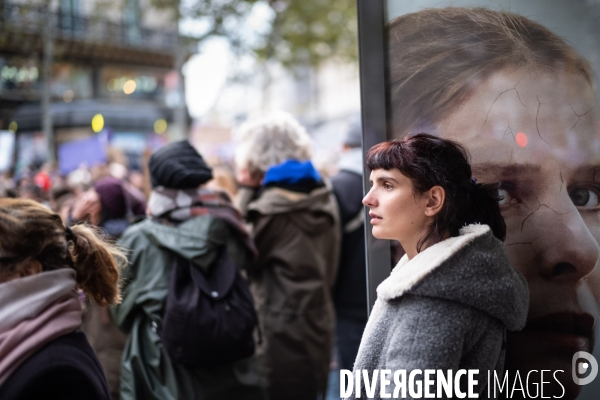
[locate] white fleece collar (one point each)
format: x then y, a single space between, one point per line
407 272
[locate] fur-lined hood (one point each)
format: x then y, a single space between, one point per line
471 269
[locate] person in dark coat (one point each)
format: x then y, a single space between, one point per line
350 294
295 224
42 263
66 368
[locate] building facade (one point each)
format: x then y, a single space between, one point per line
66 63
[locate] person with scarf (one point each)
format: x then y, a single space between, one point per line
43 264
295 224
187 220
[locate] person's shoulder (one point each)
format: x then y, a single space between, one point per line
134 236
135 229
345 177
348 191
471 269
65 368
426 304
431 315
69 351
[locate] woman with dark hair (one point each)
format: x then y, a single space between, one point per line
42 263
450 299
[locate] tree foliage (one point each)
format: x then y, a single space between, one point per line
311 31
300 32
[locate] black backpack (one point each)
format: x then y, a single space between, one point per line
209 318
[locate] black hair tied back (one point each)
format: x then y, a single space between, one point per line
484 208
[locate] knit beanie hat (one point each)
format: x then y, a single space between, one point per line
112 198
178 166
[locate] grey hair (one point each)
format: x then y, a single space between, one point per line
271 140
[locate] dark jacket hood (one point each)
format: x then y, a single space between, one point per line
472 269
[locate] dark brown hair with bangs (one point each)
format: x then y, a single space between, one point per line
430 161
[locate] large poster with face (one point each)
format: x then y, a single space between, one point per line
516 83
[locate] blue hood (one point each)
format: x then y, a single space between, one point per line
292 171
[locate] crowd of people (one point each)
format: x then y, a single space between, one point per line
260 244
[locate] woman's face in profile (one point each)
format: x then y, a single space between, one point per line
537 133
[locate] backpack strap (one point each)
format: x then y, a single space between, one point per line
217 283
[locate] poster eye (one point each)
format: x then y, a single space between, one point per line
584 197
502 195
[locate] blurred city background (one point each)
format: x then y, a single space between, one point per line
92 87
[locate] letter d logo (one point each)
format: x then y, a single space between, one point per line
583 367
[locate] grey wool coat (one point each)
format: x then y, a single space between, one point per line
447 308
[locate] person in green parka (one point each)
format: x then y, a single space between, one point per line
193 222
